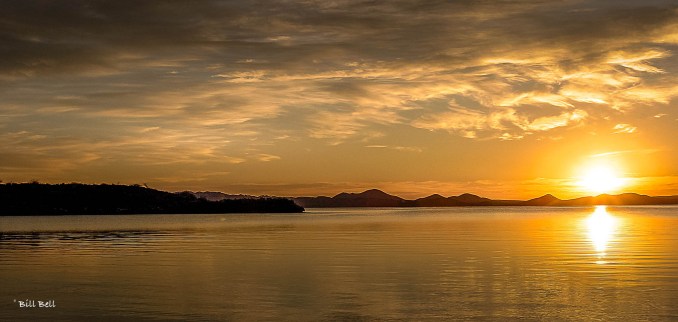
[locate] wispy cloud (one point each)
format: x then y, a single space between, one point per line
397 148
267 157
227 84
624 128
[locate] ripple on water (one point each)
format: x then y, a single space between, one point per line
372 264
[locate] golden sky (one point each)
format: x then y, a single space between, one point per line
505 99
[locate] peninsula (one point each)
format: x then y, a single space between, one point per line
26 199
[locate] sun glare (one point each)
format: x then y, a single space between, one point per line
601 227
601 179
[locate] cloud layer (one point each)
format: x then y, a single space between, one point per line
87 86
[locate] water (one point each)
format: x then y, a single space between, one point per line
533 264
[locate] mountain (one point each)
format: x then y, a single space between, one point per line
378 198
218 196
545 200
470 198
368 198
604 199
434 200
622 199
26 199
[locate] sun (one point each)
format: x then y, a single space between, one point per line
601 179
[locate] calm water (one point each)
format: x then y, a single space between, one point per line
541 264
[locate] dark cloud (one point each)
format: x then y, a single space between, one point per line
225 80
45 36
67 36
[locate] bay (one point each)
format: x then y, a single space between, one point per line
493 263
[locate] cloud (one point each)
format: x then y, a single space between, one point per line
397 148
552 122
219 83
641 153
536 98
267 157
463 121
637 61
624 128
469 122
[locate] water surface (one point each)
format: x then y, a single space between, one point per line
495 263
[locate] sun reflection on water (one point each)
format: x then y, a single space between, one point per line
601 227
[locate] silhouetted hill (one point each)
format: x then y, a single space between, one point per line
369 198
81 199
434 200
368 194
218 196
470 198
378 198
545 200
604 199
622 199
433 197
462 200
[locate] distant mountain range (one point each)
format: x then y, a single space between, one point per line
219 196
378 198
73 199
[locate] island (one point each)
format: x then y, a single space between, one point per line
30 199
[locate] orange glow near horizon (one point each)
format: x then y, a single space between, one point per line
601 180
602 176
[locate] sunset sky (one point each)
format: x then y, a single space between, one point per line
504 99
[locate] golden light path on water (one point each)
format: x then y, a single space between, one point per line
412 264
601 228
